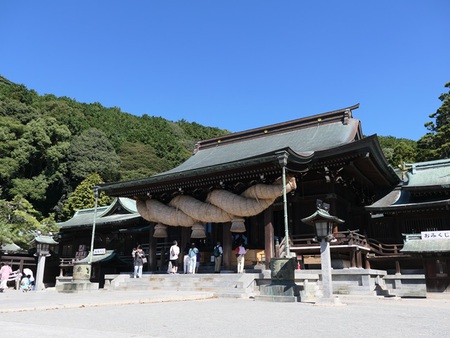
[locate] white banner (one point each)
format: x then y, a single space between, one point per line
444 234
99 251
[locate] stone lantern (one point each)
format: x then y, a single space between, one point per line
323 224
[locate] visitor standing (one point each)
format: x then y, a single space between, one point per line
240 256
186 258
138 261
5 271
173 257
197 263
218 253
193 251
25 284
29 272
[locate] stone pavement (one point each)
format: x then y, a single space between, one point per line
49 299
174 314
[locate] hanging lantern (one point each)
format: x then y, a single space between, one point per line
238 225
198 231
160 231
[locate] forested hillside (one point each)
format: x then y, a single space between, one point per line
49 145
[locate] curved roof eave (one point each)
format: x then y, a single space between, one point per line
409 206
369 148
139 187
303 136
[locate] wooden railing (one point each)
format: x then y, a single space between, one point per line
382 249
349 237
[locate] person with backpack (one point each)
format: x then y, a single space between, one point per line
218 253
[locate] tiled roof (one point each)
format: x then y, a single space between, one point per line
104 215
302 138
303 141
432 177
433 173
420 245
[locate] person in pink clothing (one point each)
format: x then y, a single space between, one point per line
5 271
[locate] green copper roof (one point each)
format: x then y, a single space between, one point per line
105 215
303 141
420 245
306 140
430 179
108 255
433 173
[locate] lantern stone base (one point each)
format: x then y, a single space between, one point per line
282 287
279 293
76 286
328 301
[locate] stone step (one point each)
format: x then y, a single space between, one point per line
221 285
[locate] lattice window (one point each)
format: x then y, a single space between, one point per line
415 226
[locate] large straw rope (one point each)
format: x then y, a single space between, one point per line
221 205
203 212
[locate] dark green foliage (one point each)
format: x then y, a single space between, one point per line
436 143
83 197
92 152
139 160
398 150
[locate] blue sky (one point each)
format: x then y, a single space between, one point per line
236 65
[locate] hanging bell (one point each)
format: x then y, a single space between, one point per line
238 225
160 231
198 231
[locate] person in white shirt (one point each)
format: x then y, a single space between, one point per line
193 251
240 255
173 256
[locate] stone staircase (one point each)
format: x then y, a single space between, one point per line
224 285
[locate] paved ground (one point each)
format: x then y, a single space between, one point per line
182 314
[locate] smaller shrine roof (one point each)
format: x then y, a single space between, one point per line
426 186
108 255
423 246
428 174
120 210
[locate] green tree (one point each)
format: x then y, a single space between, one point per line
403 152
83 197
92 152
139 161
398 150
436 143
18 221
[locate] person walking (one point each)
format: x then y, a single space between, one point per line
218 253
138 261
5 271
193 251
174 252
240 255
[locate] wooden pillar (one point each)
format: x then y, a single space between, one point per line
367 263
353 258
269 237
227 246
358 259
152 263
185 238
397 268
